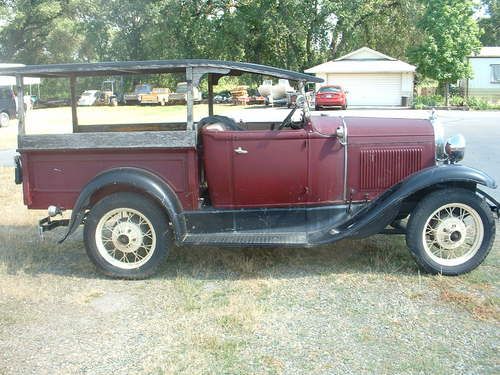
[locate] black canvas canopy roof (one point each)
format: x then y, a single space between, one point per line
156 67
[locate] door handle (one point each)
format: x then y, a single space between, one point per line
240 150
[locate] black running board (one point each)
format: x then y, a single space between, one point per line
247 239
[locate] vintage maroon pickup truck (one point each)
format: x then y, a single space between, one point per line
139 189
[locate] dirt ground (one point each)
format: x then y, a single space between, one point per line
356 307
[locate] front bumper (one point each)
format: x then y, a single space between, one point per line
492 202
131 98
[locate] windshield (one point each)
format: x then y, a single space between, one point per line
143 89
330 89
181 88
86 93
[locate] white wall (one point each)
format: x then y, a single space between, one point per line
407 84
321 75
482 73
481 84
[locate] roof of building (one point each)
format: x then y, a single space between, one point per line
155 67
363 60
488 52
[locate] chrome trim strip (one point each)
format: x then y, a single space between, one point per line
344 143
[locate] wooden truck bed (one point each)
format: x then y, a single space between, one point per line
58 166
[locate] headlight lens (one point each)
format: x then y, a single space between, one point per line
455 148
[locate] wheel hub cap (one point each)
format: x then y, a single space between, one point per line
127 237
451 233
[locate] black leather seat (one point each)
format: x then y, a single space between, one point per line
225 123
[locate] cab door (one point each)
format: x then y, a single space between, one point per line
269 168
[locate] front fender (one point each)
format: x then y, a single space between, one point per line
136 178
381 208
444 174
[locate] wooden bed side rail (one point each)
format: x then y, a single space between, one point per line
108 140
143 127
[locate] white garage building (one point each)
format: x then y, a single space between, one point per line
370 77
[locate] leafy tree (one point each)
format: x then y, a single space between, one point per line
37 31
292 34
451 34
385 25
491 23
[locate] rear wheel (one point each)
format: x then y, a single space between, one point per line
126 236
4 119
451 232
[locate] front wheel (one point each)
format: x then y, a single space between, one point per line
451 232
126 236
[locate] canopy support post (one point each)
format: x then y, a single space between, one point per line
210 95
302 90
189 98
21 129
74 117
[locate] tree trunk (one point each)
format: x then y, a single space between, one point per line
446 94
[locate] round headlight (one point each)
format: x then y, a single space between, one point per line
455 148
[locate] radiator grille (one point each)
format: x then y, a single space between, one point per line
383 167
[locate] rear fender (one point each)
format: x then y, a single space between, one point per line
136 179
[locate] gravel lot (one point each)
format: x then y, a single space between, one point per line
355 307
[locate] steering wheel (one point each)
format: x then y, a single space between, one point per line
287 122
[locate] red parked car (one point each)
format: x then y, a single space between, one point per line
139 189
332 96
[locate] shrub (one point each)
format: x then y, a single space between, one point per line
477 103
457 101
420 102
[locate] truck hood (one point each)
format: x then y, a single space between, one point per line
373 126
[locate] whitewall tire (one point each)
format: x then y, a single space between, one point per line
451 231
126 235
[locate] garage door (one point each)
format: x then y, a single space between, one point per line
369 89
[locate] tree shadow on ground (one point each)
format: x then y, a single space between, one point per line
22 251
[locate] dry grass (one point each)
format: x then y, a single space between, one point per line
354 307
8 136
478 299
